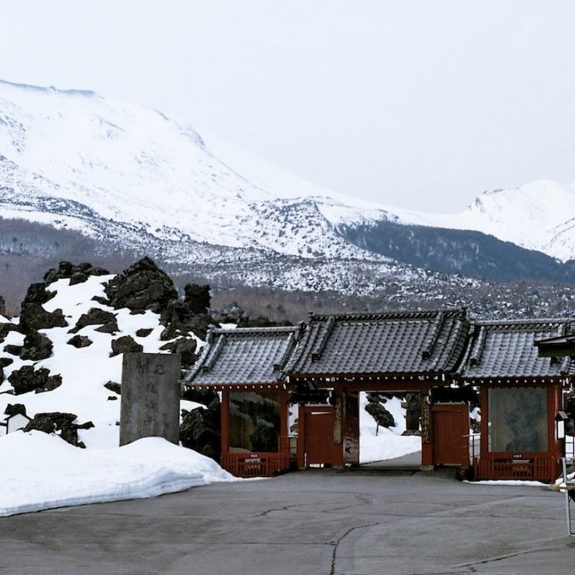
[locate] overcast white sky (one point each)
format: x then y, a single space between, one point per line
414 103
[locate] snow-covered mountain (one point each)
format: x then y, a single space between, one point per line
135 178
78 161
537 216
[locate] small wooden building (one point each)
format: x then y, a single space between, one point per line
247 366
411 351
520 396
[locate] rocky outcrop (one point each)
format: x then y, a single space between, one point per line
2 306
186 347
125 344
188 315
200 430
79 341
197 298
28 379
76 273
143 286
36 346
34 317
96 316
62 424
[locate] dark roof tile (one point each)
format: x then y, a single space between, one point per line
506 349
244 356
385 343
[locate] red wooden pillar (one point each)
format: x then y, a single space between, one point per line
225 421
426 431
301 436
351 428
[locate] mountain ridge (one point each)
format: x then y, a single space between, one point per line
135 179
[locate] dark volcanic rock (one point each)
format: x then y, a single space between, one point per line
142 286
203 396
5 362
15 409
76 273
79 341
34 317
197 297
184 346
37 293
28 379
6 328
59 423
96 316
111 327
13 349
144 332
2 306
113 386
78 278
200 430
37 346
197 324
125 344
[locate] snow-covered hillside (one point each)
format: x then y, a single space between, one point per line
42 471
76 160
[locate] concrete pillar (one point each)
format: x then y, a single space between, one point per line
150 397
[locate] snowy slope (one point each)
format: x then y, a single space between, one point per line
74 159
85 370
41 471
538 215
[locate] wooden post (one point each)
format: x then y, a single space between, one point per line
426 433
225 419
301 436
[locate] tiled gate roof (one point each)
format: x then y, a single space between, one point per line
384 343
506 351
244 357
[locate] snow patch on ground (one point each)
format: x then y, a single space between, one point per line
41 471
383 443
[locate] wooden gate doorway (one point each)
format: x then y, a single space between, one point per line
320 434
450 434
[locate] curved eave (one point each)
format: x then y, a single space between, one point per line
515 380
257 386
419 376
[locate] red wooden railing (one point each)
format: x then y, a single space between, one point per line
538 468
255 464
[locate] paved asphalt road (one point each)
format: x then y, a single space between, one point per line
385 522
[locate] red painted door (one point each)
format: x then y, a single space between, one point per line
450 434
320 446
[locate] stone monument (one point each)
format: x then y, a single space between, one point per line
150 397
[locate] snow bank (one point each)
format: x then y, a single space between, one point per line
41 471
